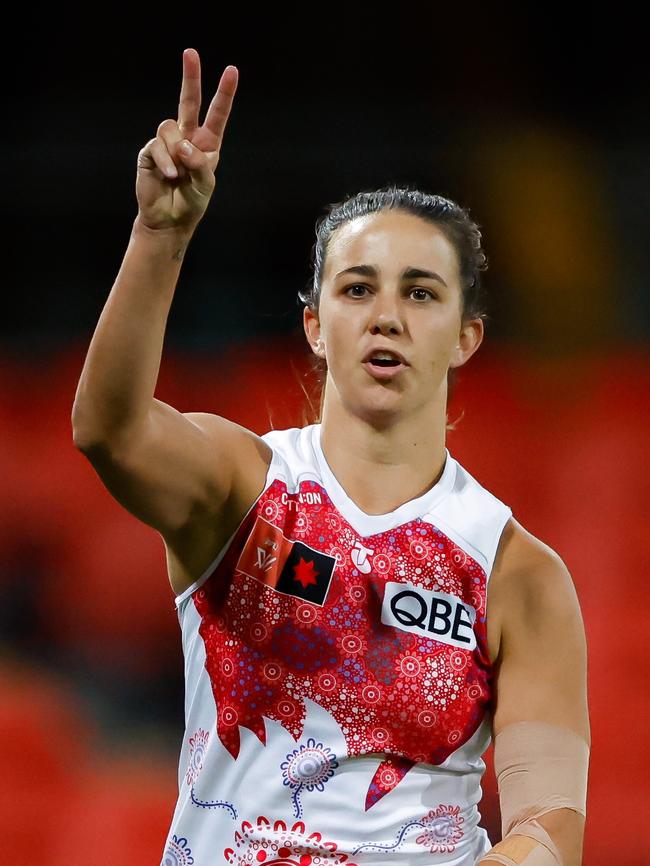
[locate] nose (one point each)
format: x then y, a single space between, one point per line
385 317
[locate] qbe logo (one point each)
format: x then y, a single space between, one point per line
431 614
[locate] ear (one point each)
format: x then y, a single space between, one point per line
469 339
311 325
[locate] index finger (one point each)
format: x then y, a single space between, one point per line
190 99
219 109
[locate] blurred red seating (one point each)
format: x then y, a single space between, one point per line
44 741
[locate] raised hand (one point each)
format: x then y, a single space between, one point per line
173 187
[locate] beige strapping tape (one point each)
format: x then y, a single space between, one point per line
539 857
512 851
533 830
539 767
529 844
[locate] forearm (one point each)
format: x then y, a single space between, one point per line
120 372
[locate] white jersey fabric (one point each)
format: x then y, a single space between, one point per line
338 683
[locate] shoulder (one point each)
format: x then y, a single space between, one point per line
220 429
529 578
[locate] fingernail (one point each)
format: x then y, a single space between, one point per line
186 147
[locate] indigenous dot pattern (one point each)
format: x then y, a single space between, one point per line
198 744
266 842
177 853
440 831
308 767
412 698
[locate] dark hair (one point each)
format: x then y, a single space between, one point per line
453 220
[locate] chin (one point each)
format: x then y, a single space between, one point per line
375 412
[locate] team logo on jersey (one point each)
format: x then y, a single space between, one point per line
290 567
437 615
359 556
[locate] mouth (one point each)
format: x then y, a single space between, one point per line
384 369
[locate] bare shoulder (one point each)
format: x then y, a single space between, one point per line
528 575
246 452
245 442
194 547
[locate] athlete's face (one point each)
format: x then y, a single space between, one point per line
391 279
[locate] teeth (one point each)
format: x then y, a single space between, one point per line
384 356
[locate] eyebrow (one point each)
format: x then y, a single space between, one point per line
407 274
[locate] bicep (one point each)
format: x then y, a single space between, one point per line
542 669
174 468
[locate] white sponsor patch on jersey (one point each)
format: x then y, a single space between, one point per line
436 615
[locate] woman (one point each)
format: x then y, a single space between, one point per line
331 581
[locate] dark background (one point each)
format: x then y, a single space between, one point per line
531 117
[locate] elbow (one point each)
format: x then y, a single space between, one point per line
85 437
83 443
80 435
99 440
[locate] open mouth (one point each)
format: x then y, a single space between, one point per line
384 362
384 368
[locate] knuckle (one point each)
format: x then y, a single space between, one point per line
147 147
145 155
167 125
161 147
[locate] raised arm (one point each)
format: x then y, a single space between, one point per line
541 721
115 391
162 465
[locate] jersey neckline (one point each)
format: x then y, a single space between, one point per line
366 523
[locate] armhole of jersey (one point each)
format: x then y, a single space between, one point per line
492 554
275 470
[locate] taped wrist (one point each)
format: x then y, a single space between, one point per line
539 767
529 845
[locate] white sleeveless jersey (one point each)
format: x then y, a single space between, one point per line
338 682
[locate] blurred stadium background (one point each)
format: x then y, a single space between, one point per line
540 129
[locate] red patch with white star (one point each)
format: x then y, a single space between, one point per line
291 567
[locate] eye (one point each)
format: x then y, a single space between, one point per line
426 291
414 289
355 286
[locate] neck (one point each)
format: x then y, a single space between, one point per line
381 464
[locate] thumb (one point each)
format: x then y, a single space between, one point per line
196 163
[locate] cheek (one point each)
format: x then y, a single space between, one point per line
447 331
338 337
439 346
339 350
